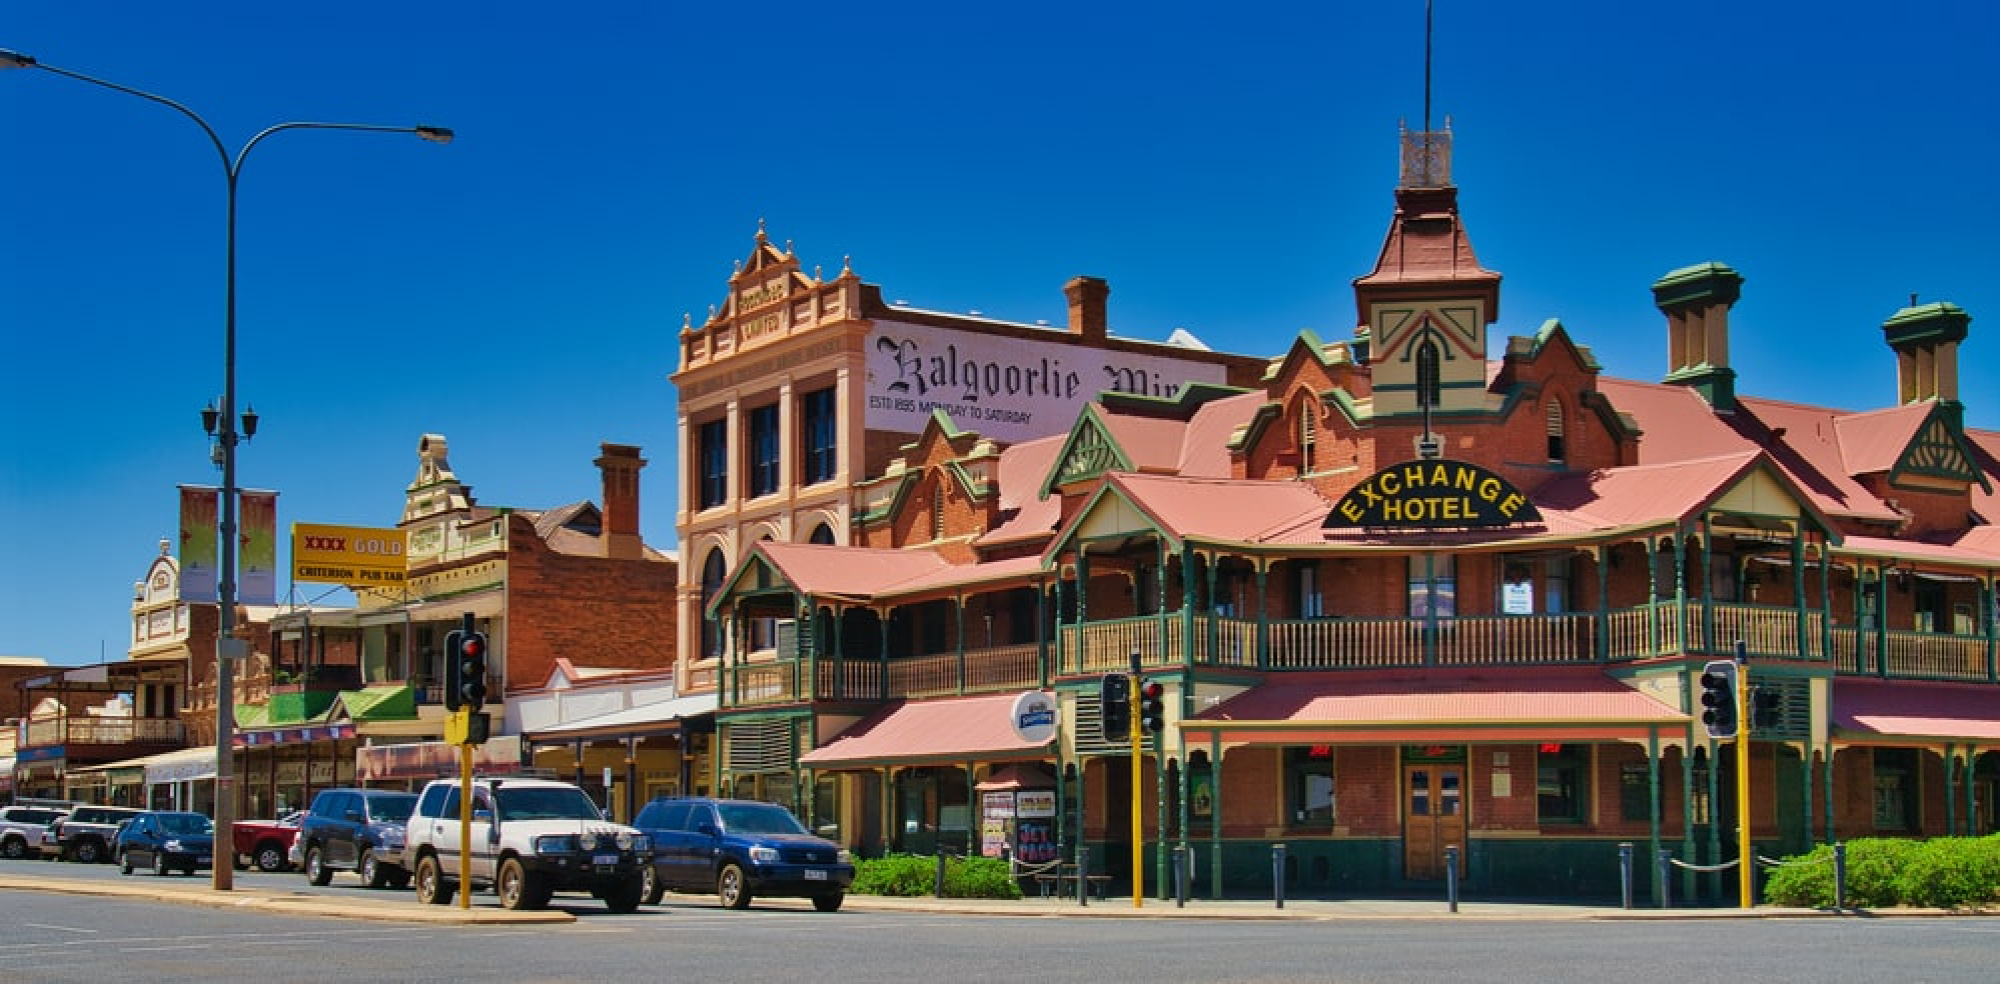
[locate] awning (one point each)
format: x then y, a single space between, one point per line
431 759
298 734
1907 709
186 765
657 717
1534 704
932 732
1015 776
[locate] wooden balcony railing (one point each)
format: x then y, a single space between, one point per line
83 730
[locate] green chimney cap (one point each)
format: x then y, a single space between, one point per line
1711 282
1938 321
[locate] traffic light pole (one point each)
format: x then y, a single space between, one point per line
1138 797
1746 876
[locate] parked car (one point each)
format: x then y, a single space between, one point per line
165 840
265 843
22 827
358 830
87 833
530 839
740 849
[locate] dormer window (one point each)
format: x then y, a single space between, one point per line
1307 426
1558 452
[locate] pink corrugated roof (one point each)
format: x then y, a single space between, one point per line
951 730
1221 509
1205 449
849 571
1906 708
1555 695
1153 443
1621 497
1874 442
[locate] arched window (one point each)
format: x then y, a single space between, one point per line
712 571
1557 451
1428 386
1307 426
937 512
822 534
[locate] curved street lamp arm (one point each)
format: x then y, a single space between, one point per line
29 61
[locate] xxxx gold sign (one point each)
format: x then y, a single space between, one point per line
350 555
1432 494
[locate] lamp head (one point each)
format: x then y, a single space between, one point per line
209 418
435 134
14 59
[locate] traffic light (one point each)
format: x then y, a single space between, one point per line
469 657
451 681
1718 698
1767 707
1152 707
1115 697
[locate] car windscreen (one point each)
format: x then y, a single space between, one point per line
758 818
185 824
392 809
545 803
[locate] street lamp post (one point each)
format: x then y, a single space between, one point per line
221 423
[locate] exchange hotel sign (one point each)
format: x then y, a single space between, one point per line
1430 495
1006 388
350 555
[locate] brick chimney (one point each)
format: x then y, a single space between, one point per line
1086 306
1696 301
620 466
1925 339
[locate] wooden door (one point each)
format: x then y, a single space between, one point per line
1433 819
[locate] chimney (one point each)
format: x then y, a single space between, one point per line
620 466
1925 339
1086 306
1696 301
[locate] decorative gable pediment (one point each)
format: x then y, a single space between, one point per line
1937 455
1089 452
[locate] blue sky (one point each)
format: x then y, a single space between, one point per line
1228 168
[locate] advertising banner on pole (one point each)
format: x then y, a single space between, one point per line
199 505
257 561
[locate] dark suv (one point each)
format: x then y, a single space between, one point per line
740 849
87 833
358 830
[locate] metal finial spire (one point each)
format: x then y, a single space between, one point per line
1427 65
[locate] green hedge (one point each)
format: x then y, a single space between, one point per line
916 875
1942 873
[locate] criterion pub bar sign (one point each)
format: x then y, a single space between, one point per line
1433 494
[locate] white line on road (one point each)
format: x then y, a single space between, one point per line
60 929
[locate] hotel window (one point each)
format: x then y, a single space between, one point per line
822 436
1529 586
1429 388
1562 783
711 584
1433 586
712 441
1635 794
1557 452
1309 785
764 450
1311 604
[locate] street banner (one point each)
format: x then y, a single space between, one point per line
197 547
257 563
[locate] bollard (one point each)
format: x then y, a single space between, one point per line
1840 877
1278 873
1451 875
1180 876
1082 869
1625 872
1666 878
939 888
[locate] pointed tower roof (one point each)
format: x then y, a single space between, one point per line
1427 252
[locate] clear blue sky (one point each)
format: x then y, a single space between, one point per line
1228 168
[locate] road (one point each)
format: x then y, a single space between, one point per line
62 937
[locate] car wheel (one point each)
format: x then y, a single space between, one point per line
520 888
626 895
655 889
270 856
160 864
87 851
431 887
732 887
316 870
370 869
828 903
13 849
125 863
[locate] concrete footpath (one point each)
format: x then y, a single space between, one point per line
402 907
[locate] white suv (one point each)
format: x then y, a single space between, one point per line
531 838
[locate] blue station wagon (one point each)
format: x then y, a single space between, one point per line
741 849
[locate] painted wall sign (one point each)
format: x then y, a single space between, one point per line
1006 388
350 555
1432 494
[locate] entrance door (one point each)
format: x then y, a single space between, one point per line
1433 819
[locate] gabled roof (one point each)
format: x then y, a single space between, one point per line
1649 495
576 529
954 731
868 573
1024 512
1225 510
1874 441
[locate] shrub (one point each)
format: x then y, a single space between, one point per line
1945 872
1952 873
914 875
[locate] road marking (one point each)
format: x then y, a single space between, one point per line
61 929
